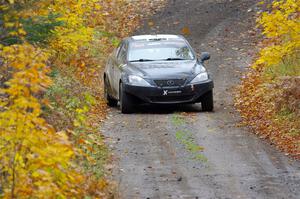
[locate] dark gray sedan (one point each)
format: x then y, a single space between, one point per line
157 69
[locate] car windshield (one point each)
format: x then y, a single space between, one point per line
167 50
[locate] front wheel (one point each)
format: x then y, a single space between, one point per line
207 101
126 104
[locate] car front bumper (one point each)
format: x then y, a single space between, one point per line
190 93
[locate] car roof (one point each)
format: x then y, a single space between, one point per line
156 37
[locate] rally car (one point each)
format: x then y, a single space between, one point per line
157 69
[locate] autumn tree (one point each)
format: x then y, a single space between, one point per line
269 96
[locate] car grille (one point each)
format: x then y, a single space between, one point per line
170 82
181 98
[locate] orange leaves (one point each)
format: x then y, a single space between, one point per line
185 31
258 103
265 100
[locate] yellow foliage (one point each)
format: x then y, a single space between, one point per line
75 32
268 98
282 27
34 159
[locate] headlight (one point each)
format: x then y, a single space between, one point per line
200 78
137 81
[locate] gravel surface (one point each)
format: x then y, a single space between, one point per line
181 152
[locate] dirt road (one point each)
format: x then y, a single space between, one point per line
181 152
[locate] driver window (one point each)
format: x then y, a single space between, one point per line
122 54
117 51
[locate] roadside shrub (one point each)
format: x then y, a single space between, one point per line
269 96
289 96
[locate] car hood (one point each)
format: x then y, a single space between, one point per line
163 70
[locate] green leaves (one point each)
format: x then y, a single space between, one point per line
40 29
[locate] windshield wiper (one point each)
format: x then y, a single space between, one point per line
174 58
168 59
141 60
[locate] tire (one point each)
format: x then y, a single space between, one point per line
111 102
207 102
126 105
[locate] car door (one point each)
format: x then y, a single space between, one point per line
120 63
109 72
112 64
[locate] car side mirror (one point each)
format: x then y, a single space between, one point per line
204 56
